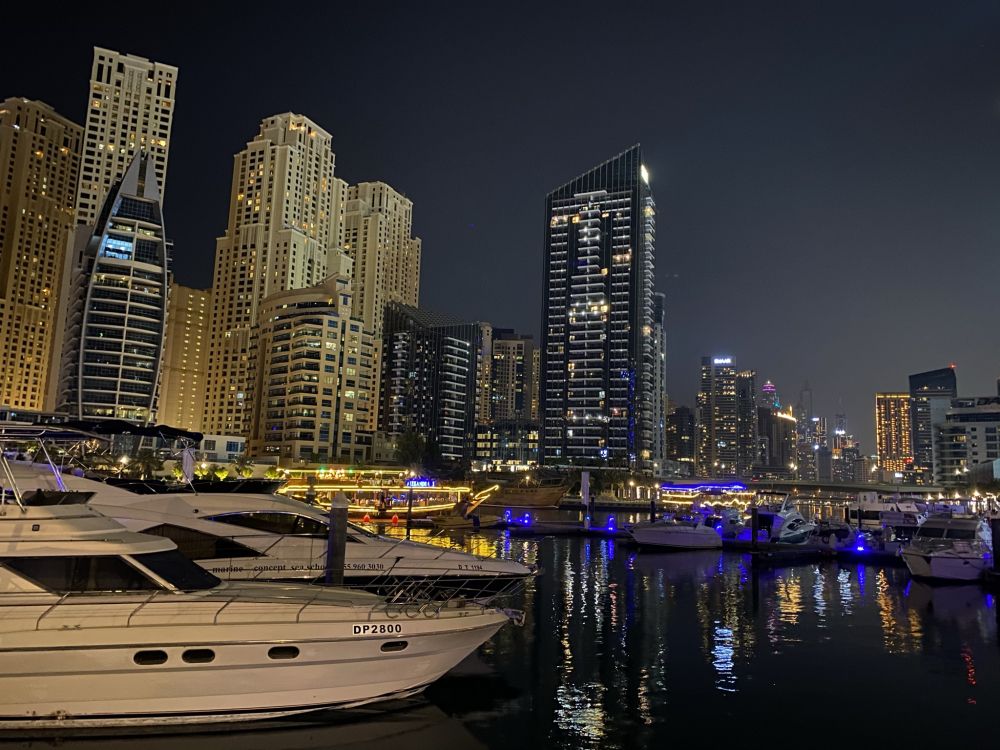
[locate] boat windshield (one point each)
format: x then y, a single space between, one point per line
931 533
177 570
961 533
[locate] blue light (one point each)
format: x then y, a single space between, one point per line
860 548
507 516
420 482
611 523
718 527
525 520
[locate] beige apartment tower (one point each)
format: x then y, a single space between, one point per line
40 158
315 377
283 227
185 357
131 107
378 229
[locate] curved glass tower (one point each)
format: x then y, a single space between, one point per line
115 318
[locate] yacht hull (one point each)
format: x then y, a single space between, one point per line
945 567
676 538
88 677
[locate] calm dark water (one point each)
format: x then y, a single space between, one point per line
626 649
633 649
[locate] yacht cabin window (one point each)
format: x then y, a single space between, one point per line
81 575
177 570
196 545
284 524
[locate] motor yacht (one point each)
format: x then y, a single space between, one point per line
104 627
950 548
267 537
677 533
785 524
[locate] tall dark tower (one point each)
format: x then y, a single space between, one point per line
598 370
931 393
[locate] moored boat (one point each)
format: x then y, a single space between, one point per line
677 534
950 549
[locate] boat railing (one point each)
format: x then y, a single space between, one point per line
411 607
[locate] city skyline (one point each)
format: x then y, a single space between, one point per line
843 202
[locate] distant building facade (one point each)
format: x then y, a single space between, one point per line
117 304
282 233
681 437
892 432
428 383
40 158
597 369
131 110
315 377
968 436
717 418
185 357
931 394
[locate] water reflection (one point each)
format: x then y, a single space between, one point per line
623 643
410 725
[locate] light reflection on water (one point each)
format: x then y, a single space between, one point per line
624 644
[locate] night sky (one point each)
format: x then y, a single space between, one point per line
826 174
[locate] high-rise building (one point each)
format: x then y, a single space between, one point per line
536 383
660 398
681 436
117 303
484 375
769 396
428 384
185 357
969 435
40 159
717 418
746 422
315 377
598 347
892 431
378 235
931 393
131 109
777 443
512 373
282 234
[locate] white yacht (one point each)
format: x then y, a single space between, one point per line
950 548
103 627
677 534
266 537
785 523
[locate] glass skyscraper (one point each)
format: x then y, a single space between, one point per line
114 333
597 370
931 393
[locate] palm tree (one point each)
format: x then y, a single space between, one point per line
243 465
145 464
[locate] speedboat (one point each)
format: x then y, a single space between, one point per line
677 534
266 537
103 627
950 548
785 524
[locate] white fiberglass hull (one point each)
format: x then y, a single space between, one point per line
81 670
676 537
943 565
